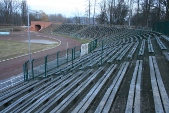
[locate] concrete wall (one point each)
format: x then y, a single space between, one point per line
35 25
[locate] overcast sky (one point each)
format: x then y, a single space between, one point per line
65 7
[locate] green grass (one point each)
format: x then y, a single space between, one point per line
9 49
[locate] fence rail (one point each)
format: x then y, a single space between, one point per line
45 66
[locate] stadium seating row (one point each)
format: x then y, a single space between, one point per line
91 83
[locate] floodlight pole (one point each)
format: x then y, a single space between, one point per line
29 45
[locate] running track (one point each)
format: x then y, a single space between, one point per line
13 67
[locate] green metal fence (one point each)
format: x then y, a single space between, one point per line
49 64
162 27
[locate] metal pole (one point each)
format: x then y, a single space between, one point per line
72 56
46 61
32 68
67 54
74 53
57 55
29 45
24 71
102 53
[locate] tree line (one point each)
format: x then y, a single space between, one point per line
15 12
107 12
128 12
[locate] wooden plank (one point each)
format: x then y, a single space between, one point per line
150 47
109 90
138 89
165 37
83 109
162 46
166 55
115 89
50 93
156 95
114 56
46 107
130 99
133 50
124 52
75 93
110 54
142 48
29 95
21 90
164 96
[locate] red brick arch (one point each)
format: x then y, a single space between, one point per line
38 25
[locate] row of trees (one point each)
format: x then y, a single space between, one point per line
131 12
12 11
109 12
15 12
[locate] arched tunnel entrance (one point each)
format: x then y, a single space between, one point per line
37 27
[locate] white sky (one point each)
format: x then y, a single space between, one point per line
65 7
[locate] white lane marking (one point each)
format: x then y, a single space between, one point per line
33 52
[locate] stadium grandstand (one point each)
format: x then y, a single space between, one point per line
124 70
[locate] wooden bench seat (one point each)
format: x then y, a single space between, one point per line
166 54
131 53
133 102
117 54
165 38
142 48
23 90
47 95
114 50
85 103
35 92
109 96
124 52
162 46
74 94
161 99
150 47
64 93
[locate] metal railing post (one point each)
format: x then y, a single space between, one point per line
46 61
32 68
57 58
72 57
93 45
24 71
67 53
102 53
74 53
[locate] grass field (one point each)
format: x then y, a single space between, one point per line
9 49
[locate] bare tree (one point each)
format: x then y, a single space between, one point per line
121 11
57 18
102 17
88 11
166 4
111 11
24 11
94 11
43 16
